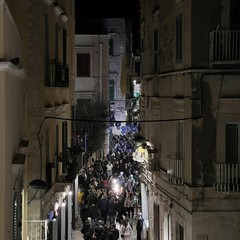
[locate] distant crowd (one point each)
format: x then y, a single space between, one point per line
109 196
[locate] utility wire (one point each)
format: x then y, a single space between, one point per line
100 121
121 121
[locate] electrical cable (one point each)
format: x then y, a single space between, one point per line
99 121
122 121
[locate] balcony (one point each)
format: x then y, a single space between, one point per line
57 74
224 47
227 177
37 229
175 172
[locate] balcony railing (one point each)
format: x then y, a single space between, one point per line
36 229
175 171
57 74
224 47
227 177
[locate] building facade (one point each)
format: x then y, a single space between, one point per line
42 205
91 86
92 66
120 49
190 75
12 153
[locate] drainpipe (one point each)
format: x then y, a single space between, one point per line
100 69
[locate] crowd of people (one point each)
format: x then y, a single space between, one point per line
109 196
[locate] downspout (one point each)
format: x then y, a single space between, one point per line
100 70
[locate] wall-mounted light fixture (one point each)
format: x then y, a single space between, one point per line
49 2
58 10
64 17
64 203
54 218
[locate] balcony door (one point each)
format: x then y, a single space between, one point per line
156 222
232 143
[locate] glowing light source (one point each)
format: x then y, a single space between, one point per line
116 188
64 203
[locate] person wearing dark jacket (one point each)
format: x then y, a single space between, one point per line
113 232
103 207
100 230
93 211
139 226
84 214
112 209
86 228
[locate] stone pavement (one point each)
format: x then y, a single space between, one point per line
77 235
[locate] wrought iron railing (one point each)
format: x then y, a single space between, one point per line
224 47
175 171
227 177
36 229
57 74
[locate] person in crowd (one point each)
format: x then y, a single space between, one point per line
112 209
126 170
99 194
121 165
80 198
81 178
109 169
121 178
94 213
130 204
113 232
126 229
116 167
120 206
84 214
100 230
92 197
86 228
130 184
103 207
139 226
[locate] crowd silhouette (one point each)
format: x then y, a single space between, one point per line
109 197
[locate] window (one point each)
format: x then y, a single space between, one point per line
47 146
155 50
156 221
142 45
179 38
232 143
167 228
57 149
46 49
179 232
48 165
111 47
83 65
234 14
64 145
56 40
179 141
64 48
111 90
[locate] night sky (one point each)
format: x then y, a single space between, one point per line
88 11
